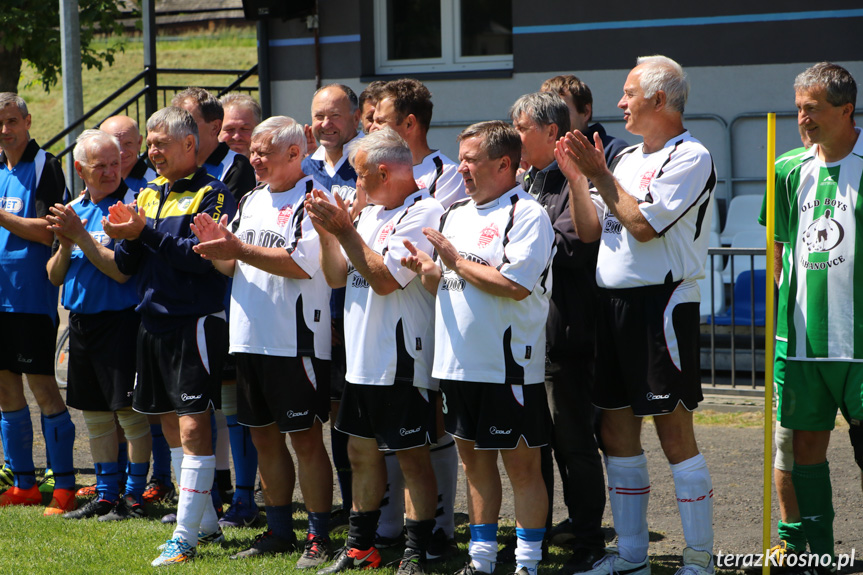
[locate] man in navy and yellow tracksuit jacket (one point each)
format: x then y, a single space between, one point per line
182 342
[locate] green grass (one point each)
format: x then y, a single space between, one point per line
224 49
52 545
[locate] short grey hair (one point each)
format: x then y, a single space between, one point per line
85 142
7 98
381 147
283 132
177 122
543 109
239 100
836 81
663 73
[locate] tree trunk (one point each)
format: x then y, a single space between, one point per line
10 69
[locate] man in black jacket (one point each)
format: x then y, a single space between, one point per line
540 119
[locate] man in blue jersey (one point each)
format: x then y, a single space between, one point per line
181 343
103 327
31 181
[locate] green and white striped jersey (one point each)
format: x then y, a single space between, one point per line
817 208
784 163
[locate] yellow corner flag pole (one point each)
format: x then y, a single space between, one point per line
769 340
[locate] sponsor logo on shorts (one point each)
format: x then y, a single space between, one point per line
495 431
291 413
186 397
404 431
22 359
654 396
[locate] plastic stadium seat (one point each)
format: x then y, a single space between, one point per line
750 239
742 216
744 303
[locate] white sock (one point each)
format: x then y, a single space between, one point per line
483 555
177 464
223 442
628 493
392 520
196 483
528 554
694 490
444 460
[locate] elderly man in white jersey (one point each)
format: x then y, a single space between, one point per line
406 105
492 278
651 216
388 401
816 219
280 333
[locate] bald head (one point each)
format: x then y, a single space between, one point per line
125 130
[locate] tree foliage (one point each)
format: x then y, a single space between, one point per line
30 31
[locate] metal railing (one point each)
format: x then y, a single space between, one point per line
738 329
132 105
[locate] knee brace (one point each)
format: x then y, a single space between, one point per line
134 424
855 432
784 439
99 423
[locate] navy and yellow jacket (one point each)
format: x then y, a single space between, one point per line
174 283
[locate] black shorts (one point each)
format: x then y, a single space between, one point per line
338 364
181 370
398 416
648 349
289 391
27 342
102 354
229 368
496 415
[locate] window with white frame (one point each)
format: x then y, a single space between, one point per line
442 35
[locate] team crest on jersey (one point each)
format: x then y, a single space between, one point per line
646 178
285 215
824 234
185 203
385 232
12 205
421 184
487 234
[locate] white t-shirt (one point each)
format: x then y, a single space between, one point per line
273 315
674 188
372 320
440 175
485 338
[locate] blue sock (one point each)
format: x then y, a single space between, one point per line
122 460
136 479
59 440
245 458
161 455
3 439
47 453
107 481
280 521
339 444
319 524
214 492
18 429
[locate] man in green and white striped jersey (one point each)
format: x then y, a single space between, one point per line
817 211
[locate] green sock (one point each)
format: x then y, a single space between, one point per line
815 499
793 535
